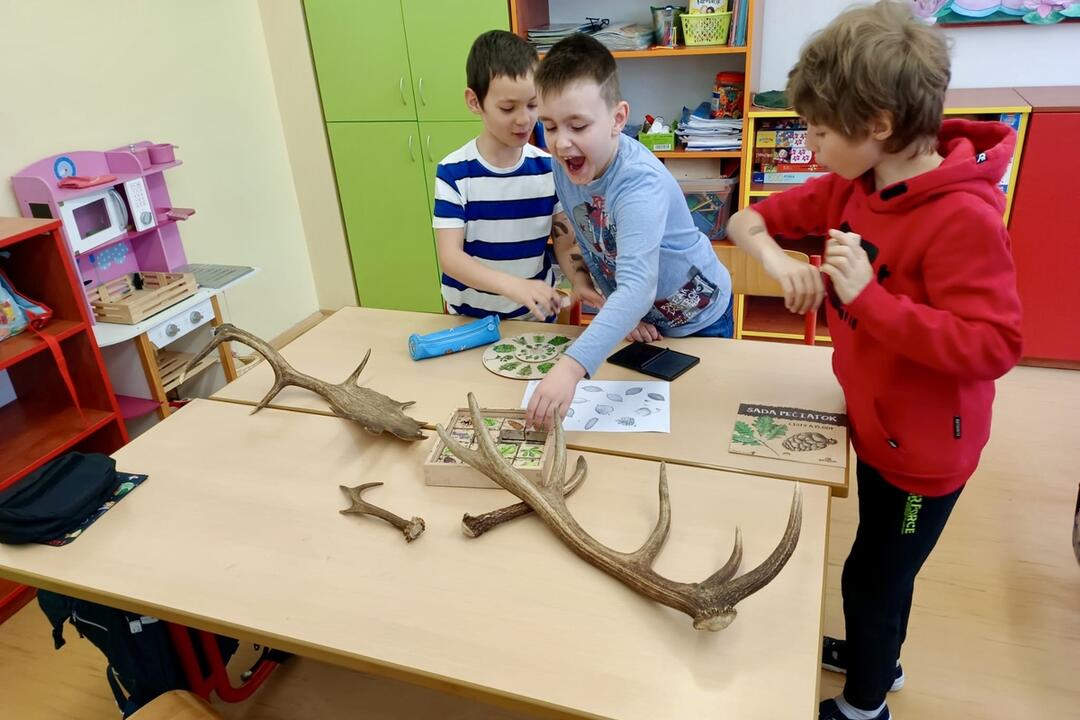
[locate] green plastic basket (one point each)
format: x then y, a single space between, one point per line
706 29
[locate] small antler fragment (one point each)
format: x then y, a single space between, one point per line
411 529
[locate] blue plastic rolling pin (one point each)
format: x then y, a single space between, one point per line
443 342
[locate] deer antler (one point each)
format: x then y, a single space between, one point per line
374 411
711 602
411 529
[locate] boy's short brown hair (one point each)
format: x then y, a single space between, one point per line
495 53
579 57
873 59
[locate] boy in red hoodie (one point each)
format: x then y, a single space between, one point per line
921 304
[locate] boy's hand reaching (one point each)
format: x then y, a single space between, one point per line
644 332
803 287
542 300
847 265
556 390
586 293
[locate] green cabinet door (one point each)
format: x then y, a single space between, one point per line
439 140
361 60
440 35
380 176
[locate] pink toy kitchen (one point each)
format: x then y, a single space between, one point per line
152 308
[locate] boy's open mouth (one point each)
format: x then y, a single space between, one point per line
574 164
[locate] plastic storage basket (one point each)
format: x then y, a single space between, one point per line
706 29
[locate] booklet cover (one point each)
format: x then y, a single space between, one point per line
797 434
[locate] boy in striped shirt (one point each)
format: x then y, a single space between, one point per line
495 201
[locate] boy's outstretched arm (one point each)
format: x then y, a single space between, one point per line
803 288
540 298
636 216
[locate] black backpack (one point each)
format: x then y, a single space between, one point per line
142 661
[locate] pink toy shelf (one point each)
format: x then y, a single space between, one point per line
155 248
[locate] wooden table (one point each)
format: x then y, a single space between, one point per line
703 402
237 530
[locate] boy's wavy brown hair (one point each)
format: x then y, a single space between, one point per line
869 60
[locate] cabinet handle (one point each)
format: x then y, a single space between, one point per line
429 157
412 155
401 89
196 316
422 100
172 329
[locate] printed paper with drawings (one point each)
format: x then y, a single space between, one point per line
616 406
806 436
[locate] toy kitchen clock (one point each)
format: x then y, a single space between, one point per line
152 309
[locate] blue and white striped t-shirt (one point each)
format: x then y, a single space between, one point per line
506 214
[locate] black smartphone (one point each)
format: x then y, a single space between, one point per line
653 360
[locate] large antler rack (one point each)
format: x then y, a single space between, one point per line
711 602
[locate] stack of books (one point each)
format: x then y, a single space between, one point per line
698 132
544 36
625 36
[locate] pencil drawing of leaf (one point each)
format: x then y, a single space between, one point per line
592 421
656 396
613 397
633 391
604 409
590 388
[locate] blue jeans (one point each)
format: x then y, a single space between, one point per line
724 327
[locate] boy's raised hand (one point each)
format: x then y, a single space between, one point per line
802 283
542 300
847 265
556 390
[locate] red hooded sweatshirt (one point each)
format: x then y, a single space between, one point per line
918 350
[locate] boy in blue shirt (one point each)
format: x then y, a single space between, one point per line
657 272
495 196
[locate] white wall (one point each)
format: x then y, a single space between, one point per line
309 151
1008 56
96 75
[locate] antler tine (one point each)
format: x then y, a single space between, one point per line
726 594
216 339
555 477
731 566
351 380
646 554
476 525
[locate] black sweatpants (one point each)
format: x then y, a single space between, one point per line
897 531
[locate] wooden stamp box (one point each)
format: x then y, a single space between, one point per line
529 455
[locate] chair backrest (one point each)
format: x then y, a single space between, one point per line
748 277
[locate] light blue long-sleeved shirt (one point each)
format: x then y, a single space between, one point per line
644 252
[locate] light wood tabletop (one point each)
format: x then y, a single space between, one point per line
704 401
237 530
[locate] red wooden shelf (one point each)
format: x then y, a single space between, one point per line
35 434
25 344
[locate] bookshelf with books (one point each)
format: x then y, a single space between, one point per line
767 170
